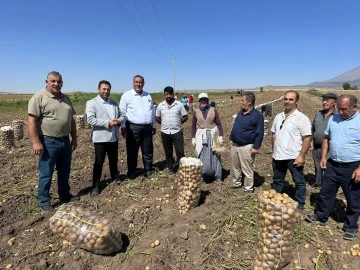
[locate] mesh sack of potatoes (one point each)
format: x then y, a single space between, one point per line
7 137
86 230
80 122
18 127
189 183
277 217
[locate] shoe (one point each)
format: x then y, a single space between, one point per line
300 207
218 181
249 190
148 174
47 207
350 236
236 186
70 199
314 219
95 191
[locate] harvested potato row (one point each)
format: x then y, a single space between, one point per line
80 122
189 184
18 127
277 217
7 137
86 230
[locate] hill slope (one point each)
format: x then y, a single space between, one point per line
352 76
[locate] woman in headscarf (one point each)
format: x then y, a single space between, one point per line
207 137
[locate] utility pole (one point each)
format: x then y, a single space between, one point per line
174 62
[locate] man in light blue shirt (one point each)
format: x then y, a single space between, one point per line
138 108
342 136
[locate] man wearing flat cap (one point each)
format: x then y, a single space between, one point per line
319 125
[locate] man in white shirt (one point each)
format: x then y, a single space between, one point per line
171 114
291 138
138 108
103 114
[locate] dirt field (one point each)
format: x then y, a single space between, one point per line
138 209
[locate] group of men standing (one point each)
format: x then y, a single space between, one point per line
51 121
335 144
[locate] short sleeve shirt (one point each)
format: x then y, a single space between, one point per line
288 134
54 115
171 116
344 138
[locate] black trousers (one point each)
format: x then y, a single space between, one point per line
139 136
170 141
336 175
101 149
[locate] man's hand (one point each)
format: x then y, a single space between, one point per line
299 161
73 144
123 132
193 142
154 131
113 123
323 162
221 140
38 148
356 175
254 151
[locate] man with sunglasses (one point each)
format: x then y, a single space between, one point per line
291 138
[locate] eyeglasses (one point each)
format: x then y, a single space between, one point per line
282 123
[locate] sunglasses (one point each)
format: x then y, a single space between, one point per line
282 123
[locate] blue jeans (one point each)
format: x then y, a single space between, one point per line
56 152
339 175
280 168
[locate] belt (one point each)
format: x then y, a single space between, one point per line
339 163
62 138
141 125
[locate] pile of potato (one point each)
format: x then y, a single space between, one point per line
80 122
277 217
7 137
18 127
189 183
86 230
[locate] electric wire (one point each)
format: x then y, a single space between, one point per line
150 30
161 28
138 28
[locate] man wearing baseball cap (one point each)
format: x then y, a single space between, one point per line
319 125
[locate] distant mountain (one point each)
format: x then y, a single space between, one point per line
352 76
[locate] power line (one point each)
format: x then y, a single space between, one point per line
147 24
138 28
161 28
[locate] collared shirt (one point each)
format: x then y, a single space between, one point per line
319 125
248 129
288 134
55 114
171 116
111 111
137 109
344 138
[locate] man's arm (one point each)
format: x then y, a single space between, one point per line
38 147
300 160
158 119
184 119
324 151
272 141
73 133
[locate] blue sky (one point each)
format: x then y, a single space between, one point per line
217 44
